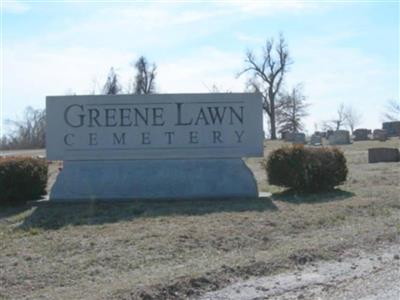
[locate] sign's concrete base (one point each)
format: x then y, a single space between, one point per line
153 179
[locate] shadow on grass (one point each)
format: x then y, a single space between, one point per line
298 198
56 215
10 209
7 211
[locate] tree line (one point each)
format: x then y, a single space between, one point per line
285 108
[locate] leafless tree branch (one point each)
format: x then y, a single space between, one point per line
268 74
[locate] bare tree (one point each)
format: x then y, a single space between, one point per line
293 108
29 132
95 86
145 76
352 117
4 143
112 86
216 89
267 75
338 122
392 111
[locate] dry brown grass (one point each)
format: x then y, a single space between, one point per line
177 249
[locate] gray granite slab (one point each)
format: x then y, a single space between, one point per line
153 179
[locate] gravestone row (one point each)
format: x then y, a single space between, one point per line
339 137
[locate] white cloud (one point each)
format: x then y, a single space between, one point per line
15 6
199 71
140 26
273 7
70 60
336 74
331 75
32 75
86 48
247 38
29 76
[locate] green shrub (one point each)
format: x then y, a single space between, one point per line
306 169
22 179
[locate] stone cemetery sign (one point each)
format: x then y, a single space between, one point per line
156 126
154 146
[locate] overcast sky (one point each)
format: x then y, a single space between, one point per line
342 52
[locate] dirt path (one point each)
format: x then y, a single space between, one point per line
359 275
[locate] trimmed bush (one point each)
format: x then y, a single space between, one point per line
22 179
306 169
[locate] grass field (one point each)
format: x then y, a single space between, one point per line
180 249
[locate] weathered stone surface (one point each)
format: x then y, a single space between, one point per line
295 137
283 134
320 133
153 179
316 140
299 138
339 137
392 128
380 135
288 136
154 126
159 146
361 134
329 133
383 155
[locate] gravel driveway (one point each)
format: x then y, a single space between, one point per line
359 275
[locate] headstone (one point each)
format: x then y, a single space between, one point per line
320 133
283 135
295 137
380 135
329 133
288 136
361 134
392 128
119 147
299 138
383 155
339 137
316 140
